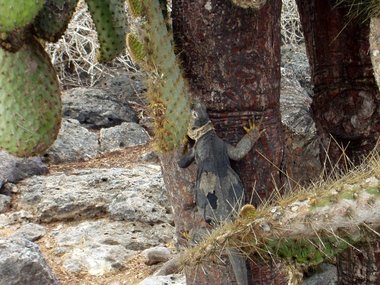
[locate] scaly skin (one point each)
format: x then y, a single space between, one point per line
218 191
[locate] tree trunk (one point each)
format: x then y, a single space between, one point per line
231 57
345 104
346 98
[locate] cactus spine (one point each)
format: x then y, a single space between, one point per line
167 89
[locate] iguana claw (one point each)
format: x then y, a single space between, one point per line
251 126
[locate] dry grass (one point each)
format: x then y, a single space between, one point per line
74 55
360 10
291 30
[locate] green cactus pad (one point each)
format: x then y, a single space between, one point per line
18 13
135 8
111 25
30 101
51 22
136 49
168 91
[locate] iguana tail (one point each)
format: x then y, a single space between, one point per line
239 266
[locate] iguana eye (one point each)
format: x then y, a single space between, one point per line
194 114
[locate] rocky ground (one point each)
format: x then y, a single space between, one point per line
95 203
93 209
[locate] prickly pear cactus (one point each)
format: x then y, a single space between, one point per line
51 22
136 49
111 25
167 89
135 8
18 13
30 101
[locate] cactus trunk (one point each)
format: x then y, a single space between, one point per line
307 226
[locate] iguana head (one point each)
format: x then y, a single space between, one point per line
200 123
199 116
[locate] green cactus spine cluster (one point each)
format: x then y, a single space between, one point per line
18 13
30 101
51 22
135 8
306 252
167 89
111 24
136 49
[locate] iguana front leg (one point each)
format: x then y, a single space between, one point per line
187 158
246 143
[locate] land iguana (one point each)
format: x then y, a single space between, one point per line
218 191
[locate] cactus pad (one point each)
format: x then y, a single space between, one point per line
30 102
135 8
111 25
51 22
18 13
168 93
136 49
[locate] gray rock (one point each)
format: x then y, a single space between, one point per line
175 279
131 236
96 108
12 218
295 62
301 141
74 143
90 192
21 262
102 246
327 275
171 266
96 259
122 136
132 206
156 255
14 169
30 231
295 108
127 87
150 156
5 202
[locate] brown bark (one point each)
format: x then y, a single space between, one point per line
345 102
346 98
231 57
